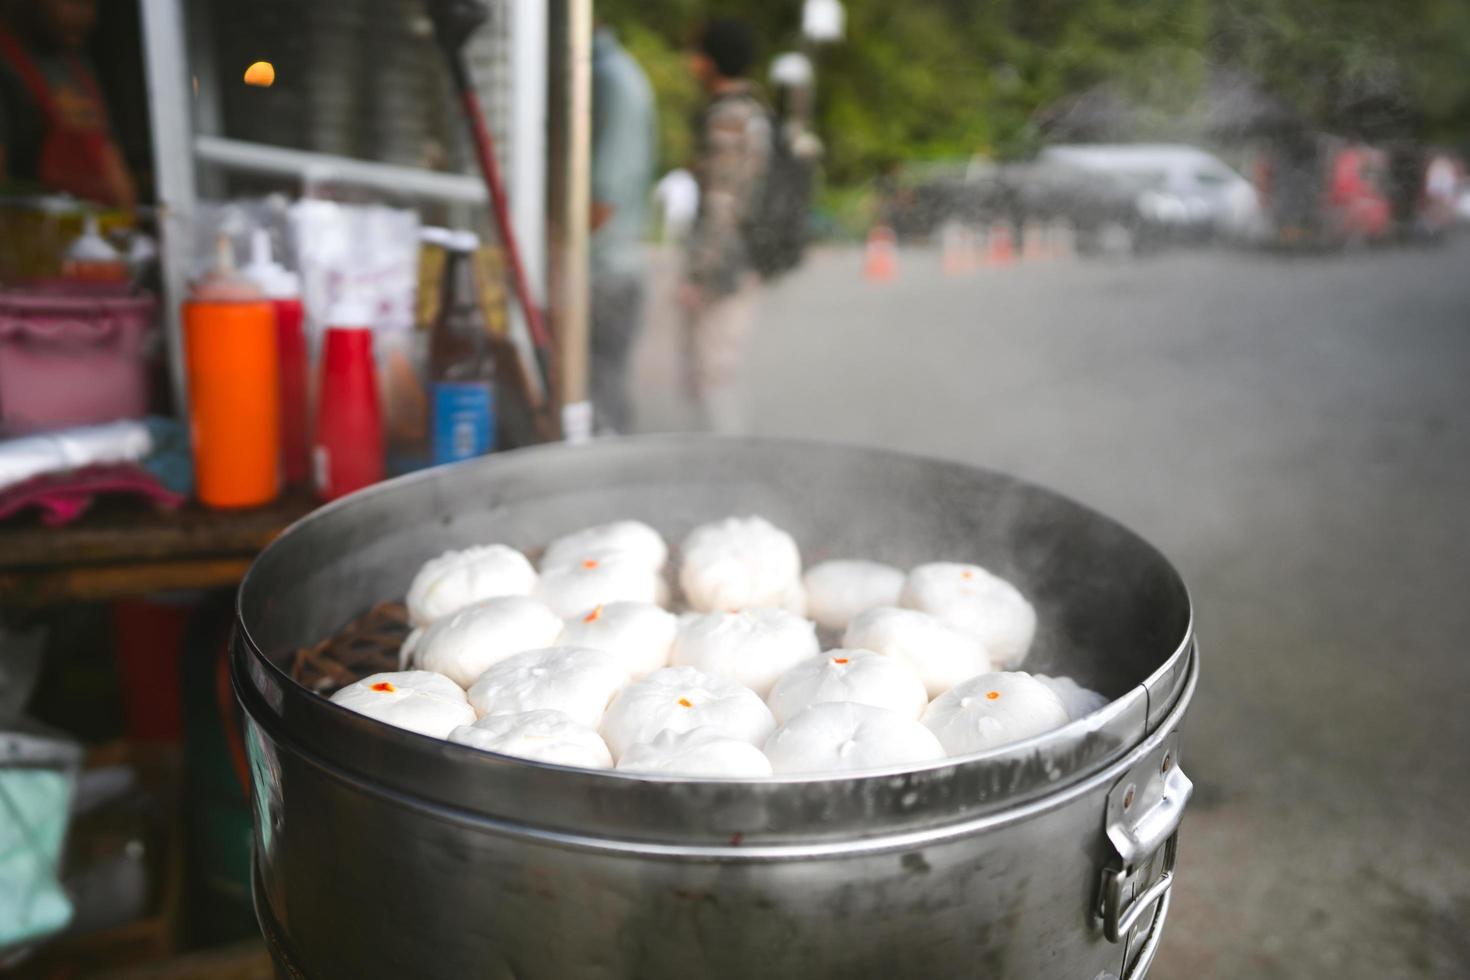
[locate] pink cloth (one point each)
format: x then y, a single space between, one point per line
63 497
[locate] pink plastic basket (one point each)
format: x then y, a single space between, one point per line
72 359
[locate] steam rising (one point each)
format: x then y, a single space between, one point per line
1109 609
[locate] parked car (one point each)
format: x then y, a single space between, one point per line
1186 193
1102 208
923 196
1136 199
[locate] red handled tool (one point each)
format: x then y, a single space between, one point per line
454 22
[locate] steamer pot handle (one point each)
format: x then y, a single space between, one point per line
1145 958
1118 918
1144 810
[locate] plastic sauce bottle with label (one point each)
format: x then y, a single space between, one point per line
461 363
282 288
347 453
234 398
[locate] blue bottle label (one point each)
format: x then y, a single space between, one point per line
464 420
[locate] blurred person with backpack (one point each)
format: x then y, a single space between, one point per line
746 227
624 136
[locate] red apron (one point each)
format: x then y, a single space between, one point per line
74 148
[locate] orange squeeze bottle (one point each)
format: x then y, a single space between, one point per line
234 388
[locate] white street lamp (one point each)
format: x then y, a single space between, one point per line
823 21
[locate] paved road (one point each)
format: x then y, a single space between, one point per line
1295 434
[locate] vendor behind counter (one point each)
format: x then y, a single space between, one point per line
54 129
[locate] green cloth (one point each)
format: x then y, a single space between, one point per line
33 819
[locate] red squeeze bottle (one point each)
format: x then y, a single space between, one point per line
283 289
295 427
348 452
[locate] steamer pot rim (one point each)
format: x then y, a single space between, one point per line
889 841
418 743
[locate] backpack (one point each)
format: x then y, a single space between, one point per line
776 228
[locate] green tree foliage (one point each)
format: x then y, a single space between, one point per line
929 79
1361 67
678 97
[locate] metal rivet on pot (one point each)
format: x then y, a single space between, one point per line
1128 797
1168 762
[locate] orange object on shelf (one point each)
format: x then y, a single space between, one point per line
35 233
234 404
234 378
91 259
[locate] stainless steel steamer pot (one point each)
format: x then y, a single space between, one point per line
382 853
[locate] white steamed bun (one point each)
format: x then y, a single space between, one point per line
741 563
992 710
543 735
1078 700
942 656
697 752
976 602
462 646
680 699
836 591
838 736
418 700
859 676
752 647
631 540
598 579
575 681
639 634
457 579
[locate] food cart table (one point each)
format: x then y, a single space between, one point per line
120 550
123 550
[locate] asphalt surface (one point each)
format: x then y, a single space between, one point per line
1294 432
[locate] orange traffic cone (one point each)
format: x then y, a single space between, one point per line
957 249
880 257
1001 247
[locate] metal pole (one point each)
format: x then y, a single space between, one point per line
389 178
570 208
208 114
170 116
454 24
526 152
484 147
